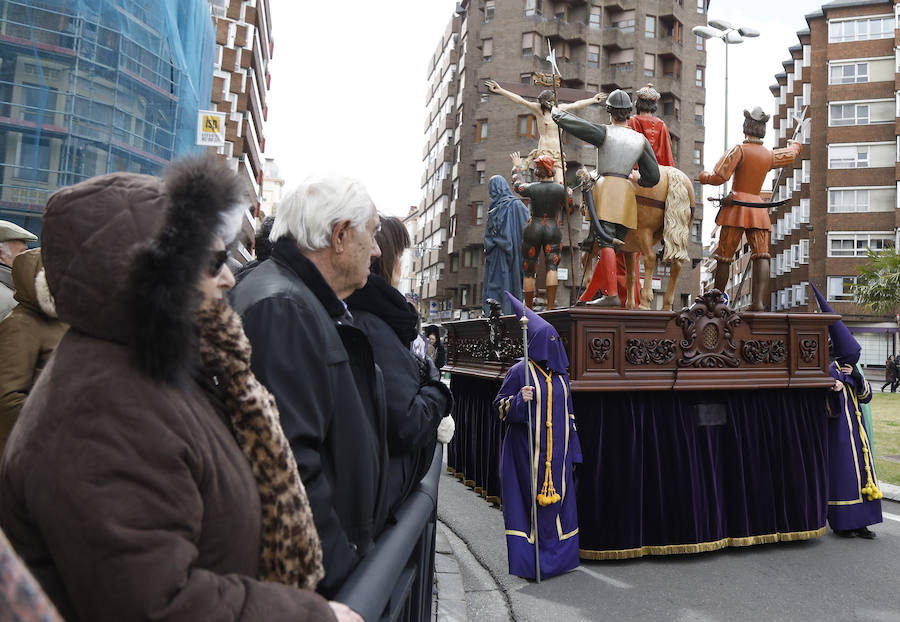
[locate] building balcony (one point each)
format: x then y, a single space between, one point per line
616 39
567 31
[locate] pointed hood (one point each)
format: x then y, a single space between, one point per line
846 347
544 343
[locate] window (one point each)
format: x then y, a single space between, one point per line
477 213
699 78
797 183
649 65
593 56
701 43
483 98
795 255
849 200
525 78
533 7
452 228
695 231
561 13
698 115
848 156
701 6
488 11
624 21
454 262
849 114
860 29
481 130
844 244
650 26
594 19
848 73
487 50
804 170
698 153
479 171
531 44
34 159
840 288
527 126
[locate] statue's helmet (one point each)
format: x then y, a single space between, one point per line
618 99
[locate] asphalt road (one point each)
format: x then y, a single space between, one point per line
828 578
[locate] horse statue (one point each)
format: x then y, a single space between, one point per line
663 213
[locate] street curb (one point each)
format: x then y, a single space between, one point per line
890 491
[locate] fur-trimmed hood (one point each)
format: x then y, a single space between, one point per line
123 254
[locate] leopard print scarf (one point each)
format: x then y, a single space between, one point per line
291 552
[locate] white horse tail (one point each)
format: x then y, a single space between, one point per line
677 220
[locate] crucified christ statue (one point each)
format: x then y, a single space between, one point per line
548 144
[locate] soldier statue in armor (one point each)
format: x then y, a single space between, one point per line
743 212
619 149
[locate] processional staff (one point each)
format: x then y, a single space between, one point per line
532 449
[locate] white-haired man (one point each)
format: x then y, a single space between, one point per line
320 367
13 240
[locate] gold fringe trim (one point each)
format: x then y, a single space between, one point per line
492 499
469 482
700 547
478 491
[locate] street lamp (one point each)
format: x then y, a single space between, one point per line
729 35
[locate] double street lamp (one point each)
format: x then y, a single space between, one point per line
728 34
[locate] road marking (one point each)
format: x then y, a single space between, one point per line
602 577
891 516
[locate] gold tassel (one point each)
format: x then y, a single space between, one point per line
871 488
548 494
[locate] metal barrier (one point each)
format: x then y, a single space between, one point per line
395 580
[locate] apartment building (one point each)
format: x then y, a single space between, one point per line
842 194
244 46
88 88
470 132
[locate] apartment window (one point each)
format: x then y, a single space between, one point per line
481 130
624 21
594 19
593 56
840 288
695 231
561 13
650 26
477 213
479 171
527 126
701 6
467 258
531 44
795 255
698 115
698 193
850 200
454 262
865 29
803 212
483 98
804 170
34 159
534 7
699 77
848 73
649 65
525 78
797 183
857 244
804 252
452 229
848 114
487 50
698 153
848 156
488 11
701 43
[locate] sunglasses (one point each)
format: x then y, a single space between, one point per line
216 262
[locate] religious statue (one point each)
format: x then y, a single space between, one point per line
548 143
506 219
743 212
652 126
542 234
619 149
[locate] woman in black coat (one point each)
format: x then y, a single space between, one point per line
418 400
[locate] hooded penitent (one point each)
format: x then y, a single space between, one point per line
555 450
167 462
506 219
846 347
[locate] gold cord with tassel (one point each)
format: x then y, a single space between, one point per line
871 488
548 494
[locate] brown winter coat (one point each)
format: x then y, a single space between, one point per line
28 336
128 497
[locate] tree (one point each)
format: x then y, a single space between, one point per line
878 284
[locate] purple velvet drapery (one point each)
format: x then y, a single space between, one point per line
660 475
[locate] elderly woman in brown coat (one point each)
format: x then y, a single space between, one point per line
28 336
148 477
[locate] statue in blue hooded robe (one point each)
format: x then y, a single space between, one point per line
551 465
854 499
506 219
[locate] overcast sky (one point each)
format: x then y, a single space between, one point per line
348 85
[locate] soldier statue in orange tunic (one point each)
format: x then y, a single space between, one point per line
743 212
651 126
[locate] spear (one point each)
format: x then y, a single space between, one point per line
531 451
554 69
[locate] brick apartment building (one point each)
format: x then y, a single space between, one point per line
843 194
244 45
469 132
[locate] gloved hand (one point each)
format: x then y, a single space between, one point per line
428 372
445 429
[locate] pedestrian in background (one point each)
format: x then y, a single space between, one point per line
13 240
436 350
262 248
147 474
420 402
319 365
28 336
890 373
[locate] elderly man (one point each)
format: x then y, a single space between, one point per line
13 240
320 367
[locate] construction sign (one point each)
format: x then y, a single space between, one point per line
211 128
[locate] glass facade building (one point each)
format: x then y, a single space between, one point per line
89 87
